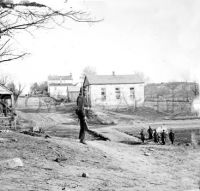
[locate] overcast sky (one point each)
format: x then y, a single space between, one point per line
160 38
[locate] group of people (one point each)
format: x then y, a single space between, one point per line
157 137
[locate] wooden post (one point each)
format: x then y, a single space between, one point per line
68 99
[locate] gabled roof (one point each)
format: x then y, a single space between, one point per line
4 90
111 79
54 77
60 84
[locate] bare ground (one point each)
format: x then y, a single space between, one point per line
122 164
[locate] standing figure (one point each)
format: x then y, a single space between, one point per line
150 132
142 136
171 136
155 136
80 111
4 108
163 137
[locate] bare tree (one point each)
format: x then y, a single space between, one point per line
17 90
4 79
41 88
34 88
25 16
195 89
88 70
141 76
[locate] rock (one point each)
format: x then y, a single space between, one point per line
150 149
85 175
60 159
11 163
47 136
147 154
14 139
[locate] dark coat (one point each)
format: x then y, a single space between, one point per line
81 103
80 111
150 132
171 136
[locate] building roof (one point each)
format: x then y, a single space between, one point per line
111 79
4 90
60 84
54 77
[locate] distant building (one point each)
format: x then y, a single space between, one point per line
114 91
58 86
73 92
63 87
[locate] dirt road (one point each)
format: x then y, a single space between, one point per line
122 164
155 167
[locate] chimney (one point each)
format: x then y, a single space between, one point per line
113 73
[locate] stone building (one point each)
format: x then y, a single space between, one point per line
114 91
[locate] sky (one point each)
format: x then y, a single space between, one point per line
160 38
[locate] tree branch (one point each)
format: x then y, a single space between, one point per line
26 15
13 58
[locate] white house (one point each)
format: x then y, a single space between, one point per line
113 91
58 85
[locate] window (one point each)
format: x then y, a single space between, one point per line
117 93
103 93
132 93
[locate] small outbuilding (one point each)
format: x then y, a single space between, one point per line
6 107
6 98
114 91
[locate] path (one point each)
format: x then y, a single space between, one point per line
154 167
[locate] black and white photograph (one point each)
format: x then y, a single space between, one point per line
99 95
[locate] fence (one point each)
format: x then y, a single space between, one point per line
176 106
